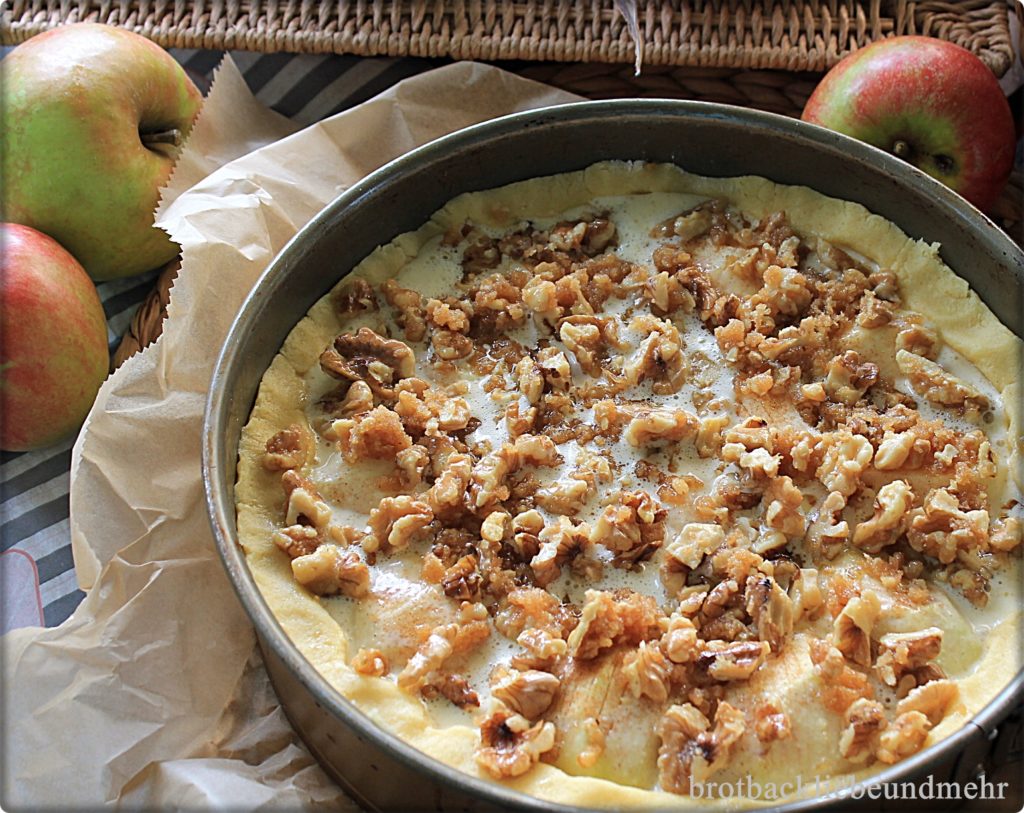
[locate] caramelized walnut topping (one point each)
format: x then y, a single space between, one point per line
375 435
934 700
849 377
366 356
330 570
690 753
528 693
906 735
732 660
771 723
892 505
851 632
288 449
647 672
610 618
900 653
933 383
371 663
660 425
410 310
509 745
940 529
395 522
694 542
632 528
865 719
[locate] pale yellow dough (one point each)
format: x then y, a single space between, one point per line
928 287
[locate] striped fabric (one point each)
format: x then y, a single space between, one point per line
36 566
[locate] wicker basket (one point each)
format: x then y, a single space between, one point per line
793 35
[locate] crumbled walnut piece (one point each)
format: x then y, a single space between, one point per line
330 570
906 735
450 314
395 522
757 463
1006 534
592 751
542 645
892 504
828 532
771 723
848 378
659 358
771 609
375 435
529 379
453 688
541 296
371 663
495 525
940 529
680 640
785 290
919 340
610 618
461 581
446 495
934 384
528 693
709 435
661 425
306 508
631 529
585 338
782 512
813 392
288 449
894 450
509 745
559 542
488 482
409 305
845 458
366 356
865 719
444 642
298 540
412 462
689 752
934 700
903 652
851 632
695 541
737 660
647 672
356 296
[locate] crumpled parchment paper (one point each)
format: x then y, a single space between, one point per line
153 693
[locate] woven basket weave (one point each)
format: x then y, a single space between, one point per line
794 35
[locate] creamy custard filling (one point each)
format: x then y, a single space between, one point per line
654 489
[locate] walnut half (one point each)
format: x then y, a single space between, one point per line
367 356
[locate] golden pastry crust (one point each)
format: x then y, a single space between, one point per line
746 619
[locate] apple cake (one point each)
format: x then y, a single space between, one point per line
622 485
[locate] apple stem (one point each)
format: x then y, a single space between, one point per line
172 136
901 149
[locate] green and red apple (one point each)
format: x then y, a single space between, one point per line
53 340
929 102
92 115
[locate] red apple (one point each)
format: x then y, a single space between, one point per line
53 340
92 118
929 102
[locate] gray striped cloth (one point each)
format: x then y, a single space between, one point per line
36 566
